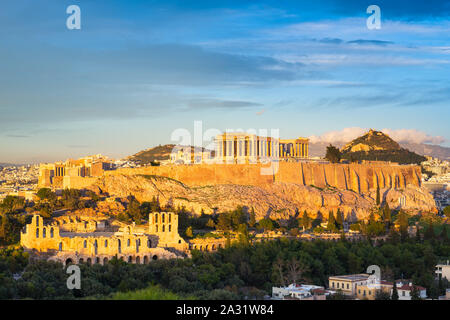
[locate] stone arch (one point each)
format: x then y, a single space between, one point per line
130 259
145 259
89 261
97 260
138 260
81 260
155 257
220 245
105 260
69 261
206 247
213 247
119 246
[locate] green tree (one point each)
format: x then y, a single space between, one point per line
252 219
331 224
378 200
189 232
45 194
429 232
446 211
387 214
403 224
266 224
333 154
415 293
305 221
394 292
339 219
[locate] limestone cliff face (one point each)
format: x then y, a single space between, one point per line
275 199
360 178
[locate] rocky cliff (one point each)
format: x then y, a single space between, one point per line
275 199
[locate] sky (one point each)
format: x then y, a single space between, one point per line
138 72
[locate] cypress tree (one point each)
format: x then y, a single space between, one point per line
394 292
429 232
331 225
339 220
378 196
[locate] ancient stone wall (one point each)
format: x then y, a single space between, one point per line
357 177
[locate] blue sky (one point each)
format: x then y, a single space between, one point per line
138 70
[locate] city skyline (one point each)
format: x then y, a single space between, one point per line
136 72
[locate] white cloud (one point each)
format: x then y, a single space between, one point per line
400 135
413 135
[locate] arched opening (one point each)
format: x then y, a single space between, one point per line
81 260
170 227
119 246
121 258
37 232
145 259
163 218
138 260
106 243
128 242
213 247
89 261
130 259
220 245
156 228
60 246
96 246
163 228
85 244
149 243
138 242
44 232
105 261
155 257
97 260
69 261
51 232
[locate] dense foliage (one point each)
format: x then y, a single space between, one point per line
239 271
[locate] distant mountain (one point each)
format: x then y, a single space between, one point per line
378 146
159 153
432 150
318 149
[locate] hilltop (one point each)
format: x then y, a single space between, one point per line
159 153
378 146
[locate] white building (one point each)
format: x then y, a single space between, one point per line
300 292
443 270
405 291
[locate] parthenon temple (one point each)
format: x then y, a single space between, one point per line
250 148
